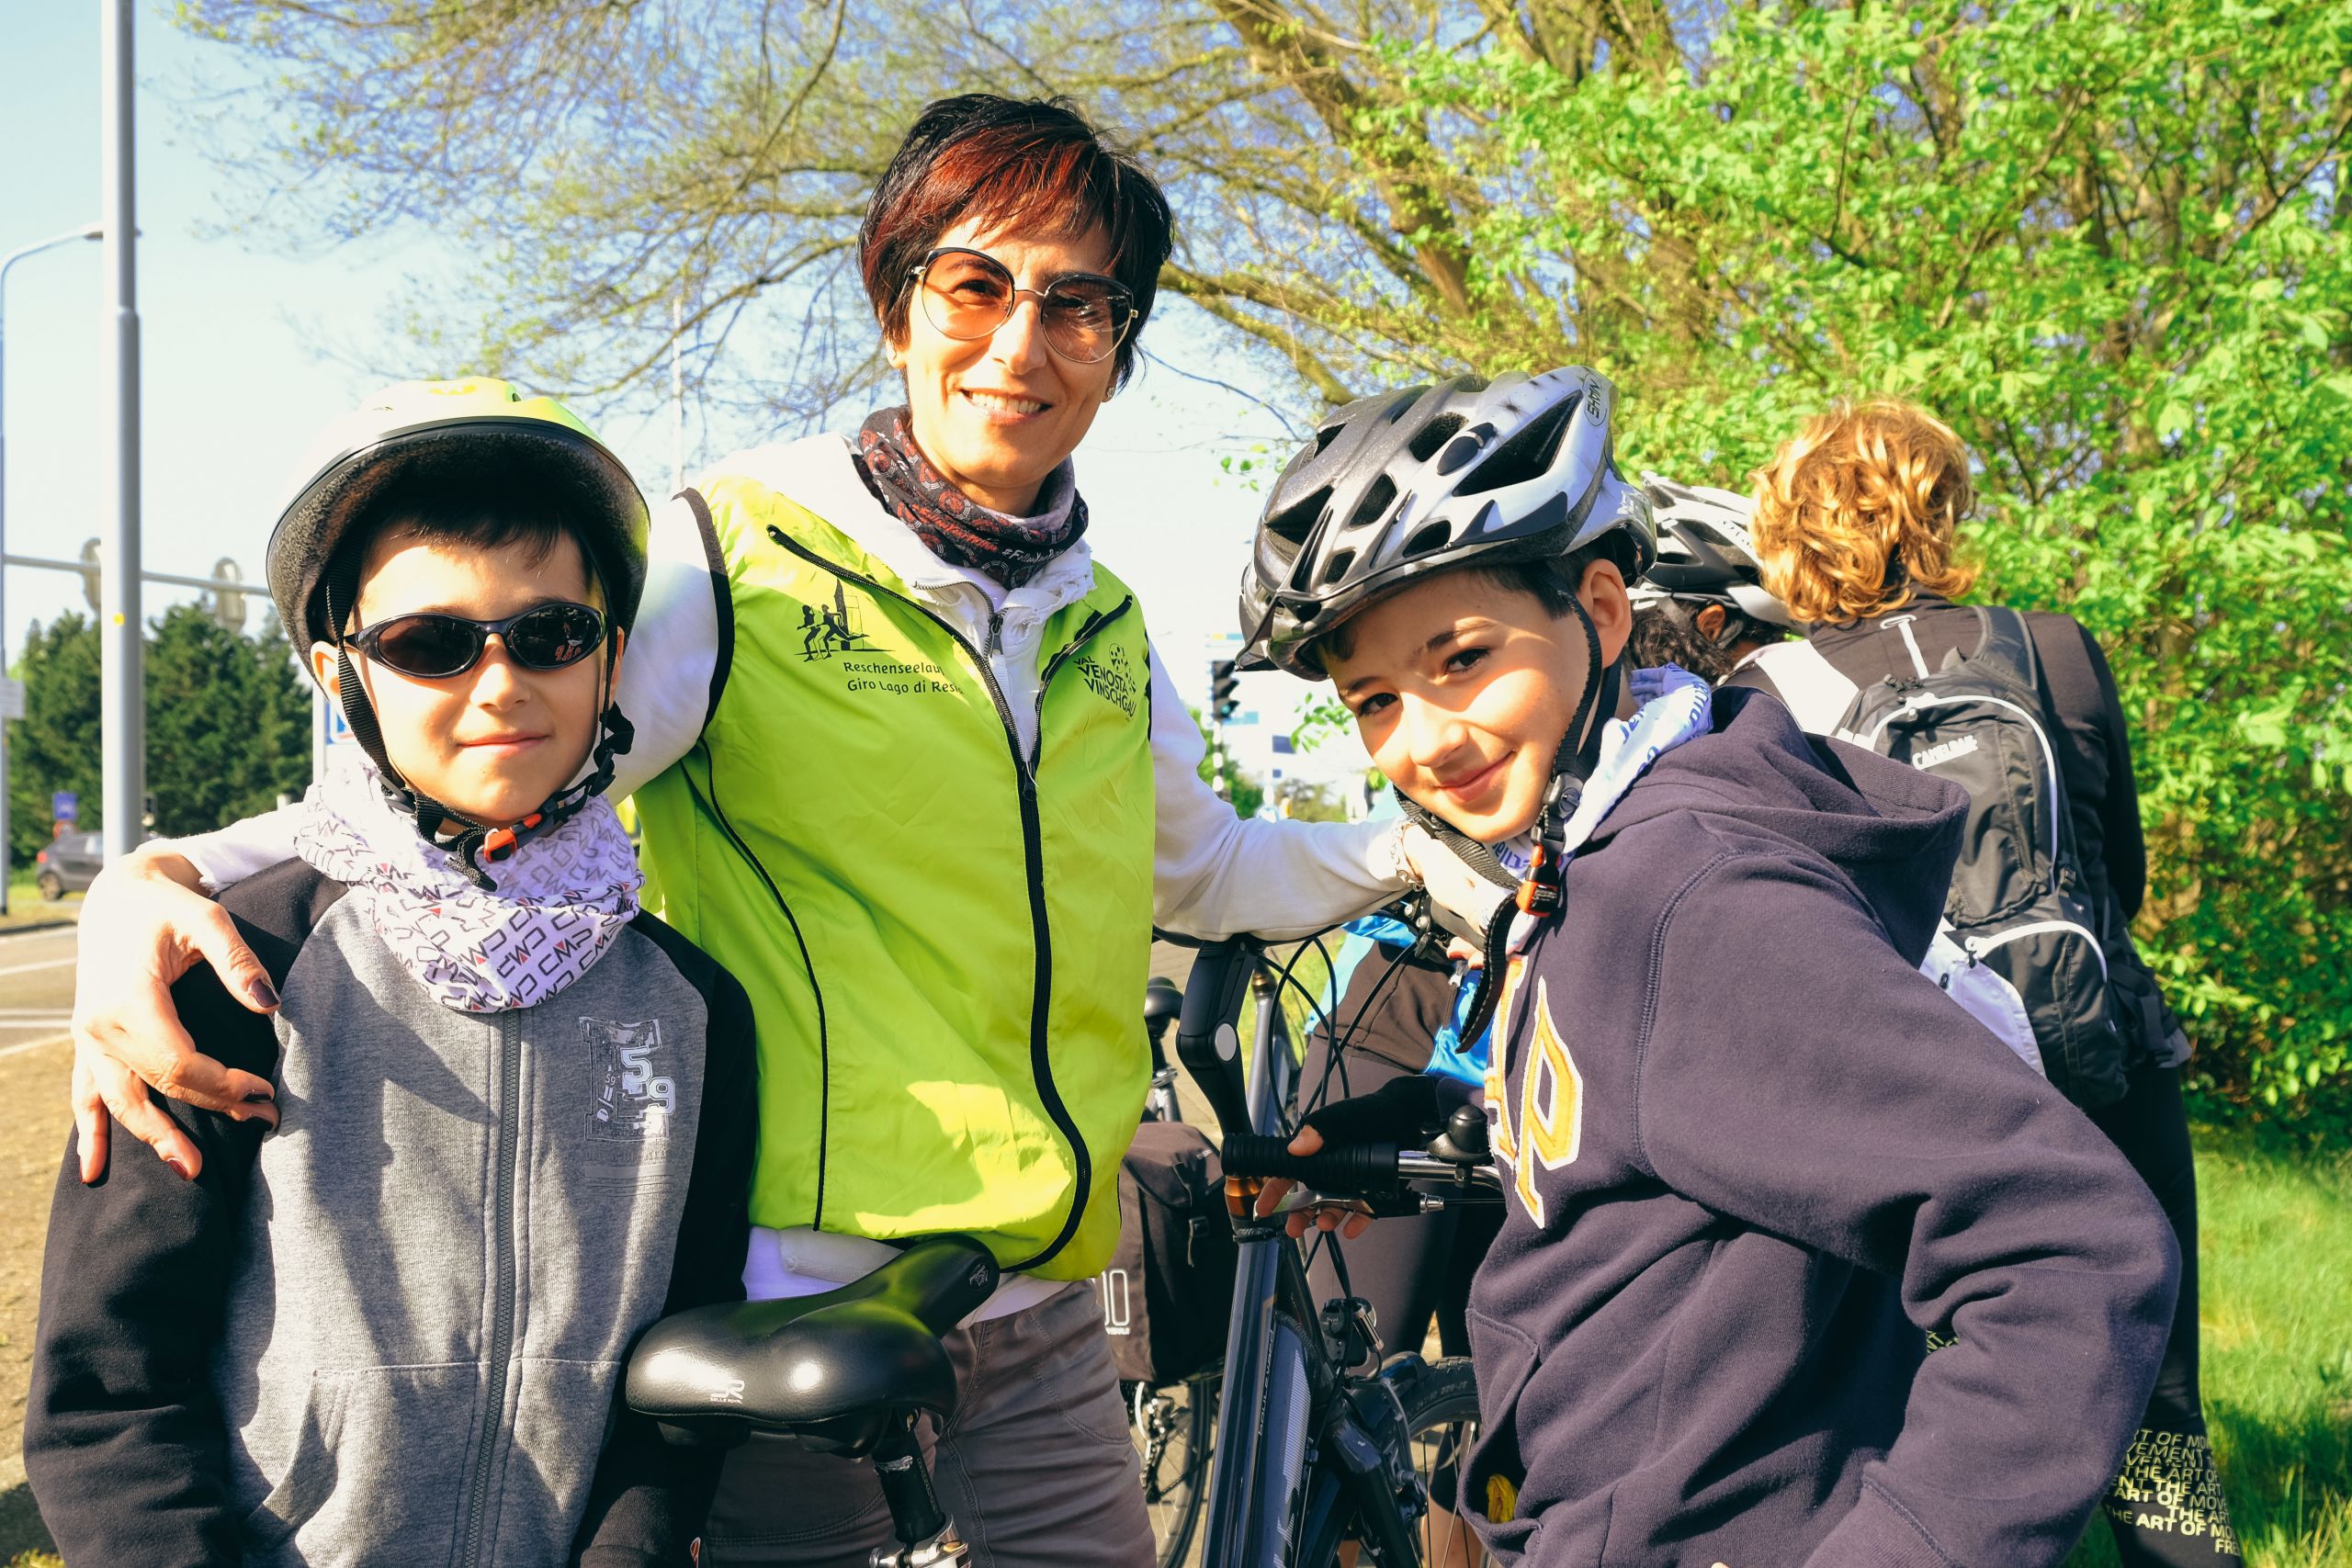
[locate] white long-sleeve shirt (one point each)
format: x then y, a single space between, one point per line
1214 875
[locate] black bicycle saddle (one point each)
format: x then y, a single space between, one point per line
828 1370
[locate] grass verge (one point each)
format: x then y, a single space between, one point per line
2275 1224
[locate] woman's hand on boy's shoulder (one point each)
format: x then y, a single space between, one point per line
143 926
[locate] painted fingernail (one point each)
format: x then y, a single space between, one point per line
260 1097
263 994
180 1165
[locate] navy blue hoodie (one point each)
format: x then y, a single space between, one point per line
1760 1163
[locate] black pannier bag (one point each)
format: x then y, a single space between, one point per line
1168 1293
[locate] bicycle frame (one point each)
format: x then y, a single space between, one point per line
1281 1385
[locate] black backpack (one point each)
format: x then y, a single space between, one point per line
1168 1293
2019 903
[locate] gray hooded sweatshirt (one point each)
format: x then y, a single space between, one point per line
394 1331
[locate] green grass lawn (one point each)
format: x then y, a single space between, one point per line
2277 1256
2278 1316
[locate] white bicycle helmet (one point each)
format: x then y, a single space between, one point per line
1706 554
1396 486
452 435
1404 483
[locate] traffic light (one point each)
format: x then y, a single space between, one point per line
227 605
1224 686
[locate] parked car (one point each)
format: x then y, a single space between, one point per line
68 865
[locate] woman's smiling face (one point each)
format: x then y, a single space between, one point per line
997 415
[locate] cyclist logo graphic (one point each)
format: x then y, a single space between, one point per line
826 630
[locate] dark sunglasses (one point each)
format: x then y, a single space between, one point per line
968 294
432 647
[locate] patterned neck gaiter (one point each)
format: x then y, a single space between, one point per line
954 526
560 901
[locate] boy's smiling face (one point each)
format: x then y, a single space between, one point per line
495 742
1462 689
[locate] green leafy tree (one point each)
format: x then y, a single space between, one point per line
1242 789
228 725
228 721
2108 243
54 747
600 162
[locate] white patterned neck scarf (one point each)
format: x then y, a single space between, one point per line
559 903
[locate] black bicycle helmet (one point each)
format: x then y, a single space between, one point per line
1705 553
1404 483
455 433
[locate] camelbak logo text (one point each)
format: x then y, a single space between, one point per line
1935 755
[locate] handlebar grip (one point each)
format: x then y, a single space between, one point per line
1368 1170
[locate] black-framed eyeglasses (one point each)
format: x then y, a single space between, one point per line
431 646
967 294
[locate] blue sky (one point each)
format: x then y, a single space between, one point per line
237 329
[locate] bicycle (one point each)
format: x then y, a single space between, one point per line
1174 1424
848 1372
1312 1451
1314 1454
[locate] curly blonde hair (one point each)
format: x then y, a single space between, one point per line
1860 510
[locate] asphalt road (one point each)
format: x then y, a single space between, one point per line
36 988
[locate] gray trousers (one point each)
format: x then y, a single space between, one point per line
1035 1468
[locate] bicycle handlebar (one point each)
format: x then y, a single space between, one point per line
1368 1168
1373 1171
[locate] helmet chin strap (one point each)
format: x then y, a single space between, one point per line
472 842
1541 891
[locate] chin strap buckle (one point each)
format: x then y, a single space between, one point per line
1541 893
501 842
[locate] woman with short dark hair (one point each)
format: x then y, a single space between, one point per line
924 786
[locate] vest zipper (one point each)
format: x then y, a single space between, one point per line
808 962
996 634
1094 623
1033 844
502 1285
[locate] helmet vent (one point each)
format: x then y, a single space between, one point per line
1430 537
1338 571
1432 436
1374 505
1325 436
1293 522
1529 452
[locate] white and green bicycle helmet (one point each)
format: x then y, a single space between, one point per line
476 433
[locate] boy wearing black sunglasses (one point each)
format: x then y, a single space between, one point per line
519 1113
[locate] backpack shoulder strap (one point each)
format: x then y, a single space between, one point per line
1899 626
2003 643
1816 692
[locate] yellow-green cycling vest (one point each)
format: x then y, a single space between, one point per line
945 941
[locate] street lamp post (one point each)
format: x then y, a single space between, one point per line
87 231
121 704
